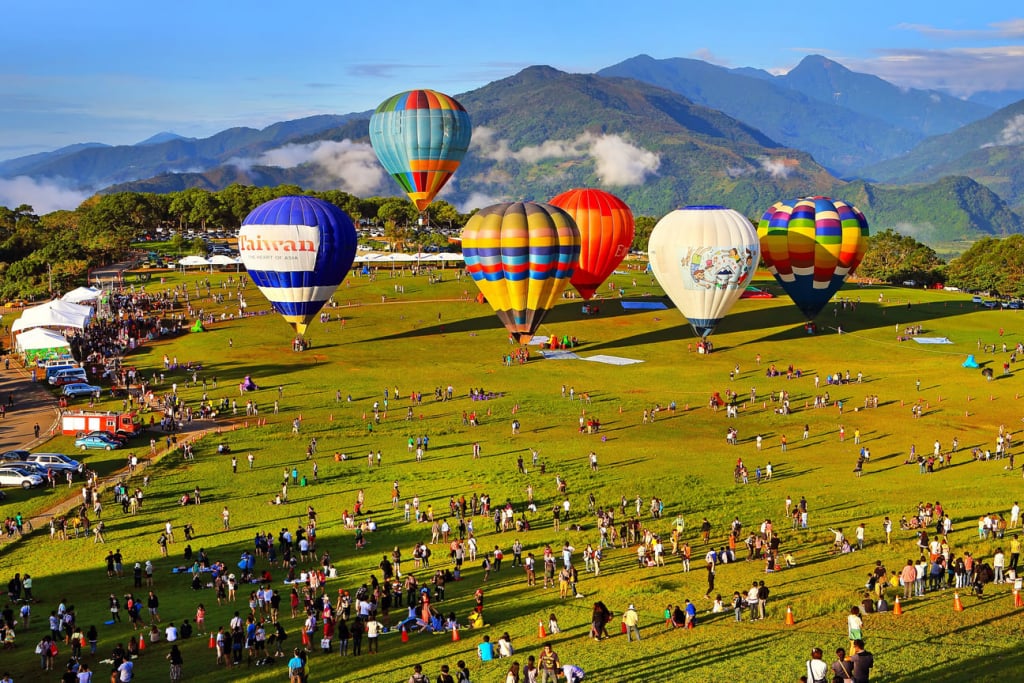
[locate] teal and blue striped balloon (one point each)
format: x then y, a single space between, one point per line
420 136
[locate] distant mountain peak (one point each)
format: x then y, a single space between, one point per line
164 136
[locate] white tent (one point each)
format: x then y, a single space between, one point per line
77 296
40 339
449 256
396 258
193 261
224 260
54 313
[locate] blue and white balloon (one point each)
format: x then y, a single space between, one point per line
297 250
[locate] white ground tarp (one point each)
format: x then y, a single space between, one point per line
612 360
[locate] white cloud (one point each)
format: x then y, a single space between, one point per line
1013 28
706 55
352 164
778 167
919 231
478 200
617 161
42 195
621 163
959 71
1013 132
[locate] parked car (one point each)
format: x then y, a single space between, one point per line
119 437
96 441
69 376
54 461
16 476
15 456
976 300
81 389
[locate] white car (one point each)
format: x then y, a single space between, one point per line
54 461
13 476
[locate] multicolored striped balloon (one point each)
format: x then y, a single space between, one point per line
297 250
606 231
420 136
811 245
521 256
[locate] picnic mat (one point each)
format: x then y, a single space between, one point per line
612 360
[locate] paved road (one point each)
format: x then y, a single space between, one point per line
32 405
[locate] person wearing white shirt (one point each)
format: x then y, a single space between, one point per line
171 632
817 669
1014 515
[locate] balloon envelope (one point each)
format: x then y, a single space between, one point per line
521 256
811 245
606 233
420 136
703 257
297 250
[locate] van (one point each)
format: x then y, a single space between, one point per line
52 370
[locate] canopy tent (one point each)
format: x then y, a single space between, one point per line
77 296
54 313
193 261
450 256
39 343
223 260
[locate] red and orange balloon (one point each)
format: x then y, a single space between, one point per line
606 233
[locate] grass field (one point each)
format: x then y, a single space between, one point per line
430 337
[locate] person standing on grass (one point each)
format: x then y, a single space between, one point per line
549 664
817 669
862 662
855 626
631 619
226 518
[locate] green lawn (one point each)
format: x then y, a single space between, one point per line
430 337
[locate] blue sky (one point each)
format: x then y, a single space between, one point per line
118 72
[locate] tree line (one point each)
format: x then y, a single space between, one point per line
40 255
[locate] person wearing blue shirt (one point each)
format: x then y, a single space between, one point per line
486 650
296 668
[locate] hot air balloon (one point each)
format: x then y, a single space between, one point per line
420 136
297 250
521 256
810 245
703 257
606 231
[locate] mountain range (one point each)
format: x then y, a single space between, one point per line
660 133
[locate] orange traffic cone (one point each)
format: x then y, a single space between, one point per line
541 631
790 621
142 643
897 609
405 635
1017 600
213 641
958 606
455 634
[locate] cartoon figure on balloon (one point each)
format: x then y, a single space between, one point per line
717 267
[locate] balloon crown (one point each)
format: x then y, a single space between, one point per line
703 207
